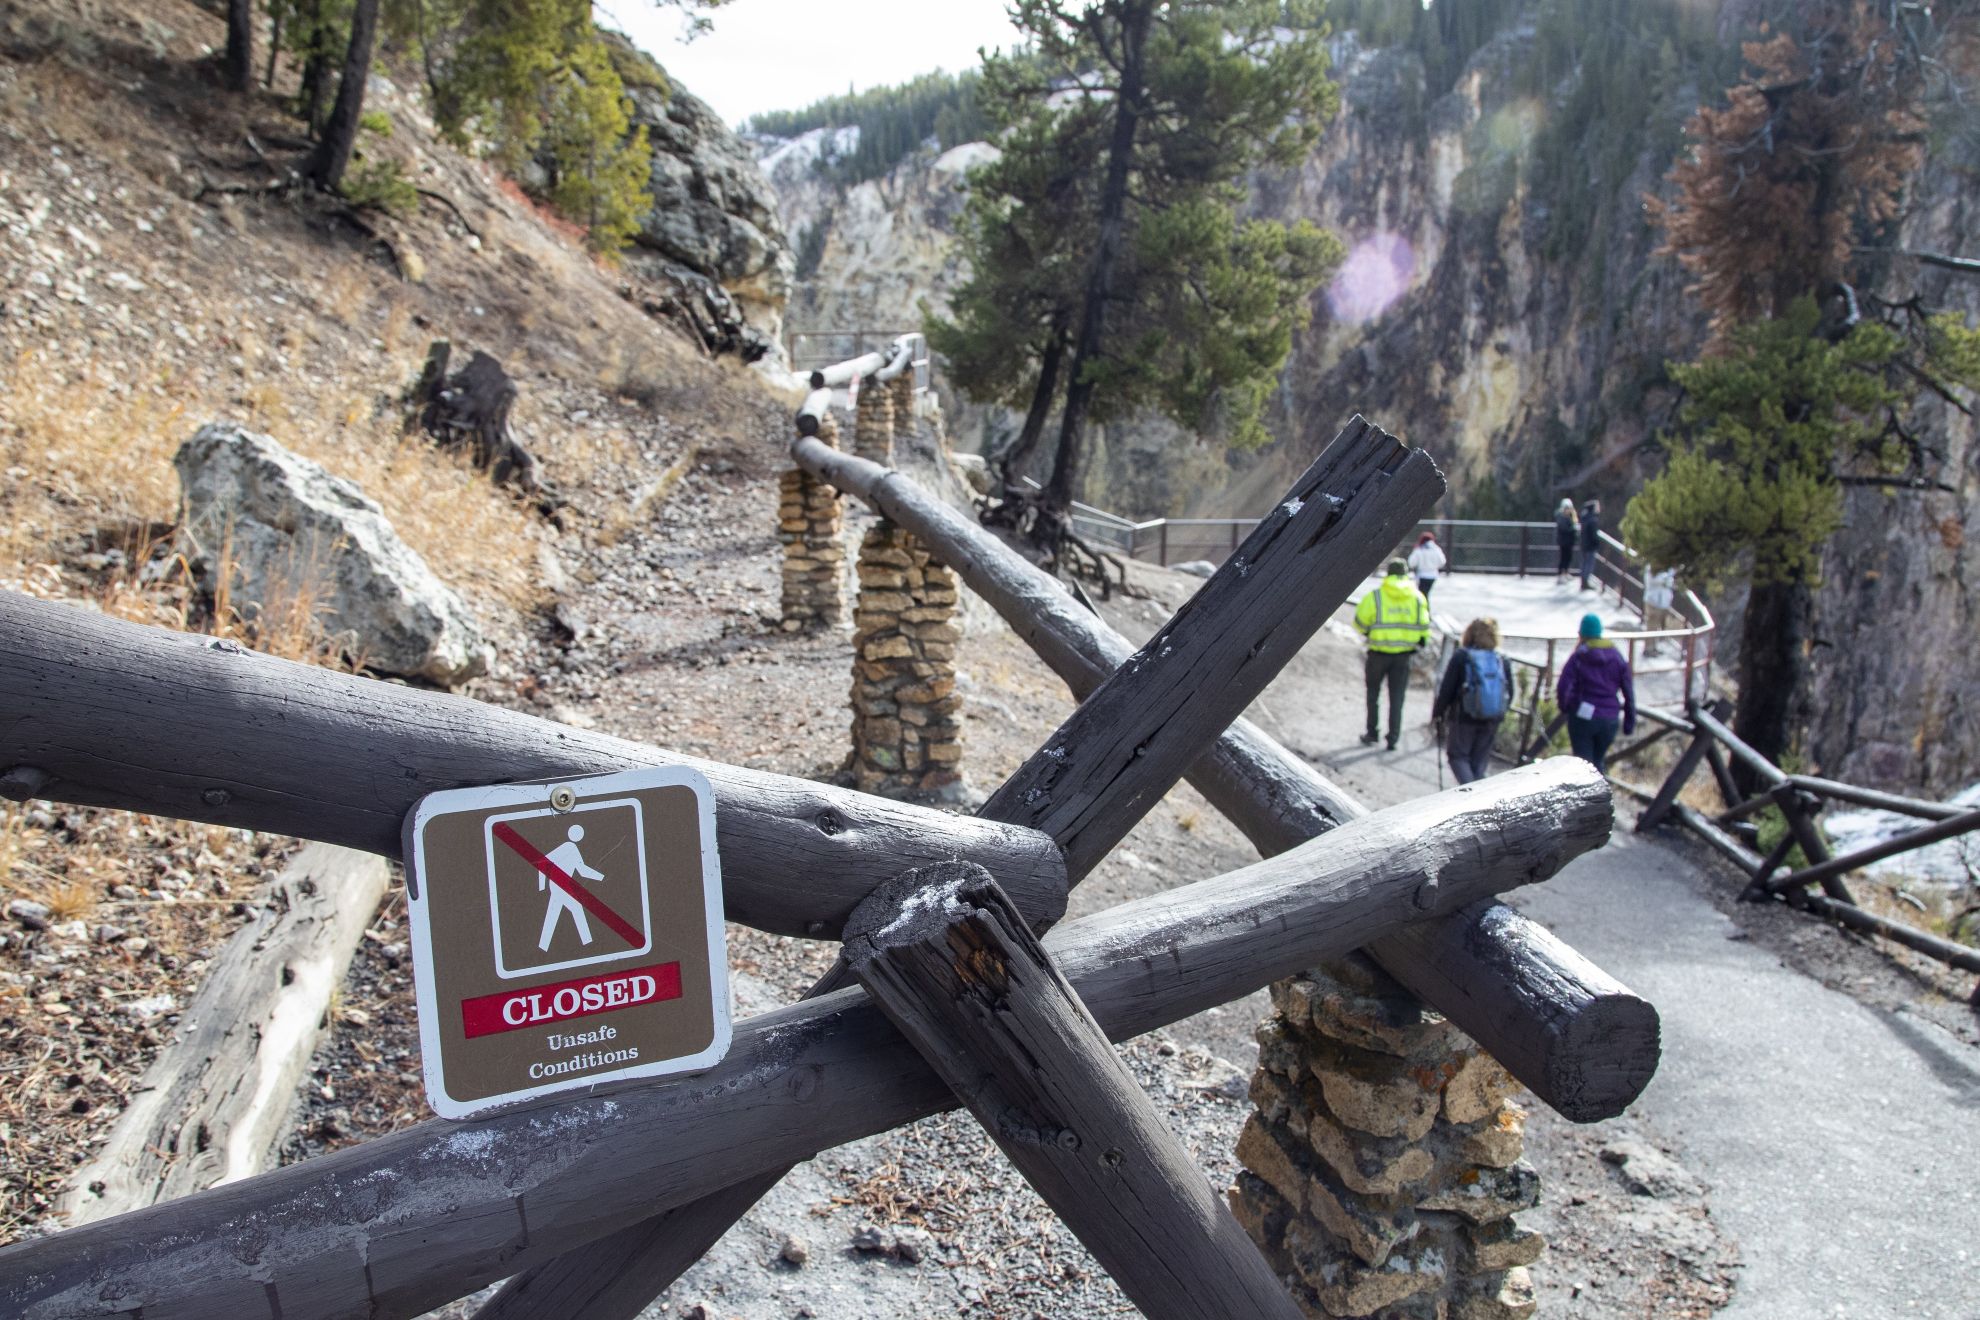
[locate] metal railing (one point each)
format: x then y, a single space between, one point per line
1679 635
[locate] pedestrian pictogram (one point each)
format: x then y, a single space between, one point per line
565 934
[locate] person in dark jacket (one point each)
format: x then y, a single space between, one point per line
1591 539
1567 535
1467 730
1597 693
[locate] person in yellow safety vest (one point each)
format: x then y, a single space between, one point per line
1395 618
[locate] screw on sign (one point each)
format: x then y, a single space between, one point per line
565 935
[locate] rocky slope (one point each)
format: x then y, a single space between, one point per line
1519 331
714 219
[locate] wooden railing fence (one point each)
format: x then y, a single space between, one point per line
1800 799
591 1204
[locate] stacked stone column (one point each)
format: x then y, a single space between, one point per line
907 727
1382 1168
810 525
873 422
902 388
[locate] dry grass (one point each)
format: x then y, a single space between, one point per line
87 450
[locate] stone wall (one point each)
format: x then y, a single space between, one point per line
906 727
1382 1168
873 422
810 524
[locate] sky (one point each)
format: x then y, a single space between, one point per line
785 54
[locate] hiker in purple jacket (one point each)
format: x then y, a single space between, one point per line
1597 693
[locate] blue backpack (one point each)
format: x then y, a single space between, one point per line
1485 695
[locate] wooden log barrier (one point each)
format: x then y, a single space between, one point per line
950 962
1800 822
1531 1000
405 1223
1131 739
118 714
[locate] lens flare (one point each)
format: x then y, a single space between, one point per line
1376 273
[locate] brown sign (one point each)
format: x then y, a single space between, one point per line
565 934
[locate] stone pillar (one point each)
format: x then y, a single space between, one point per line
809 523
873 422
1382 1168
902 388
907 726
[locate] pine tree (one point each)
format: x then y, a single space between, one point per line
1109 273
1810 380
535 82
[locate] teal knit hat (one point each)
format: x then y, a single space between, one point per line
1591 626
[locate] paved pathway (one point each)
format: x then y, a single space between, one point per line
1841 1143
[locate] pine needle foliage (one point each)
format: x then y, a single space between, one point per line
1752 478
1810 152
534 82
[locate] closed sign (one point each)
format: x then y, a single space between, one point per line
565 934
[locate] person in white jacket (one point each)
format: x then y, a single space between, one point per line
1426 561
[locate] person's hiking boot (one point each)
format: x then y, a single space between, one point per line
1368 740
1392 744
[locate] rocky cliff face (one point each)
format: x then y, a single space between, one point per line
714 217
1531 366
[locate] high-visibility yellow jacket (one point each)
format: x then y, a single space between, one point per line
1394 616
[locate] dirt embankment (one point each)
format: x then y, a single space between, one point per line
155 274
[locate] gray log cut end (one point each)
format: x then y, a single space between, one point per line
1591 1042
950 962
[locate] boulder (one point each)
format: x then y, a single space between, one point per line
290 535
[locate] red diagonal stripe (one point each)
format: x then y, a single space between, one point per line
589 901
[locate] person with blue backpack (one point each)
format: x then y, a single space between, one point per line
1472 699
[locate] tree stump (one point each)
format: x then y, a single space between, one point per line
471 407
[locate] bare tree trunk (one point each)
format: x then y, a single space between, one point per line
333 150
240 45
274 44
1043 394
316 69
1135 20
1773 673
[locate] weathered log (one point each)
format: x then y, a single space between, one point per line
841 374
122 715
1946 951
212 1105
1924 836
404 1223
1135 735
900 357
1800 823
1128 743
1870 797
1717 839
1721 773
1510 983
1756 888
950 962
472 407
811 415
1674 783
